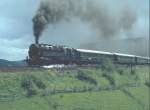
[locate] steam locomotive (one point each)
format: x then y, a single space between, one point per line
44 54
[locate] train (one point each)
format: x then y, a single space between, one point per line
45 54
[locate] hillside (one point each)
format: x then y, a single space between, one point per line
98 88
6 63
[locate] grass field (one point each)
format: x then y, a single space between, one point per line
97 88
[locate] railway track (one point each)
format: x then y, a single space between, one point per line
40 68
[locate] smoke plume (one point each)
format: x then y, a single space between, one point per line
135 46
98 16
116 30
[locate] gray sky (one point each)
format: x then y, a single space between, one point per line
16 32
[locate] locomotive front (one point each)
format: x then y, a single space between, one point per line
34 54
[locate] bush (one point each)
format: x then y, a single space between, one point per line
30 83
31 91
120 71
133 72
83 76
107 65
147 83
110 79
39 84
26 82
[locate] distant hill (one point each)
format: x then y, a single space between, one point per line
6 63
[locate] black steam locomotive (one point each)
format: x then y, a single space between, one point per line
44 54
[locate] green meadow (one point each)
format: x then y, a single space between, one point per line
92 88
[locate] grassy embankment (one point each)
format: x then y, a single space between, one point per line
104 88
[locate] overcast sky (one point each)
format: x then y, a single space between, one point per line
16 32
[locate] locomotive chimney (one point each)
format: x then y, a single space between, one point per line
36 40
